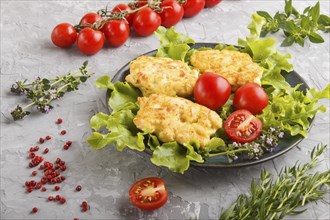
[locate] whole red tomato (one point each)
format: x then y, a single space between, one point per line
146 21
90 41
89 19
172 12
116 32
211 3
251 97
124 7
64 35
193 7
212 90
141 3
148 193
243 127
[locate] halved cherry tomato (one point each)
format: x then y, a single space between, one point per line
64 35
242 126
212 90
251 97
124 7
89 19
148 193
172 12
146 21
211 3
116 32
90 41
193 7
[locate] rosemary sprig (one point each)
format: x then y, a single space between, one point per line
42 92
291 190
295 25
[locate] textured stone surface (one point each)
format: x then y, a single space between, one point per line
106 175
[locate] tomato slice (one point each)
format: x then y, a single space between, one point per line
148 193
242 126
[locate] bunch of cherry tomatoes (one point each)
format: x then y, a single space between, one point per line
114 26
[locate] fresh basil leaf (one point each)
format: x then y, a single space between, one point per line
266 15
315 38
288 7
288 41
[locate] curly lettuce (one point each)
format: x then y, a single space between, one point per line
290 108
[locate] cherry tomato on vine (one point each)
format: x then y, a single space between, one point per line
89 19
251 97
90 41
211 3
193 7
124 7
146 21
172 12
148 193
212 90
242 126
116 32
64 35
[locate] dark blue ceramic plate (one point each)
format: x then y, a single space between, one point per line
286 144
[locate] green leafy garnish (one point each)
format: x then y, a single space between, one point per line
292 189
297 26
278 117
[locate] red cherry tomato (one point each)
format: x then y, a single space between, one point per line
90 41
243 127
211 3
193 7
90 18
251 97
148 193
116 32
64 35
212 90
172 12
124 7
146 21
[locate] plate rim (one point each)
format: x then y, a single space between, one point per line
220 165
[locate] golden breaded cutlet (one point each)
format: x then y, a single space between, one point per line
162 75
176 119
237 67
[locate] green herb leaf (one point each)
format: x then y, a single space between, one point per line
315 38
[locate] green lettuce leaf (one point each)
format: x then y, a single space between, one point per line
175 157
292 110
172 44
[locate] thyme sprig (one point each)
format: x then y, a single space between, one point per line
286 195
43 91
297 26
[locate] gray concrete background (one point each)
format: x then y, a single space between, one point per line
106 175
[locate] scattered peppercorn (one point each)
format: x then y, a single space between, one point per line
48 137
63 132
78 188
59 121
35 210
